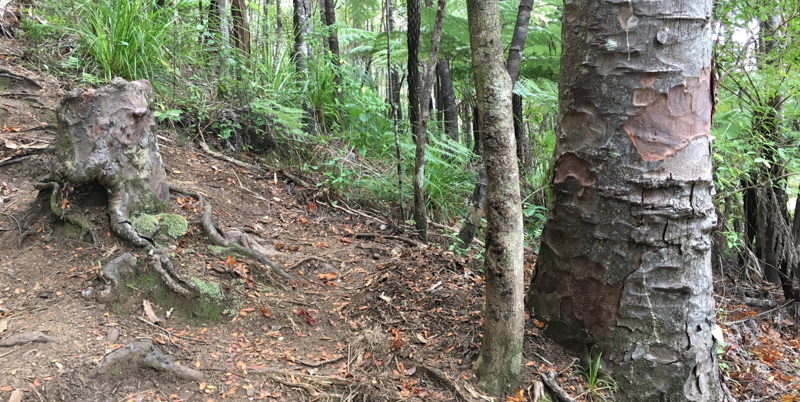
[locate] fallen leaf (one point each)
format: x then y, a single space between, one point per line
3 325
6 389
264 310
148 311
16 396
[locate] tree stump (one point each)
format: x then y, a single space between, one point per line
106 136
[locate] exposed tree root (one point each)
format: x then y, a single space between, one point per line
86 229
26 337
145 354
156 257
442 379
219 239
549 379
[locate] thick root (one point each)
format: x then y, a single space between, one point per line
145 354
157 257
86 229
219 239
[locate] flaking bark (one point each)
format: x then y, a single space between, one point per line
624 265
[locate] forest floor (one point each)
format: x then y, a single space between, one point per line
368 313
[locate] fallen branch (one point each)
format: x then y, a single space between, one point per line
319 364
549 379
236 162
321 379
169 332
450 228
350 211
443 379
311 391
299 263
404 239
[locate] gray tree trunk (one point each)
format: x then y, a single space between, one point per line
500 361
420 210
624 265
278 32
466 234
333 45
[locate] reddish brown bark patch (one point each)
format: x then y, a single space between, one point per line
671 121
592 304
569 165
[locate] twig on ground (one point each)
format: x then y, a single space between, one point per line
375 236
170 333
351 212
298 263
236 162
296 179
761 313
549 363
321 379
319 364
253 193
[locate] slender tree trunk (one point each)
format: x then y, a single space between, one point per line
625 265
448 100
241 28
500 361
477 148
393 103
412 39
333 45
467 121
420 210
278 32
512 67
523 145
224 34
300 25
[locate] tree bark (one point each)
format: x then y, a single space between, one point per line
500 360
300 26
448 99
467 121
241 28
624 265
224 34
420 210
333 45
393 102
412 42
512 67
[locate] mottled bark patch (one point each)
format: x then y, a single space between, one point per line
669 122
569 165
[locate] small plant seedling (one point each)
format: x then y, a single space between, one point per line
600 385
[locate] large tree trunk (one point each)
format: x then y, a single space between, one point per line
500 361
624 265
412 42
448 99
420 210
224 34
241 28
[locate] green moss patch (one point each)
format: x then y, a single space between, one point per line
202 311
148 225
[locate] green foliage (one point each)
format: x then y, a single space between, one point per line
128 39
600 385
